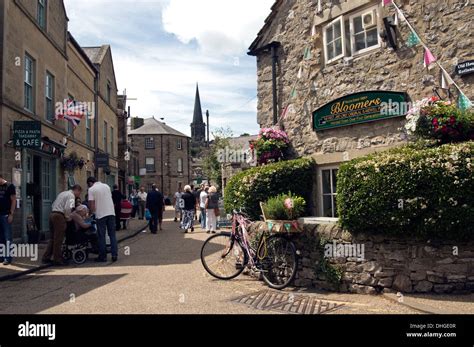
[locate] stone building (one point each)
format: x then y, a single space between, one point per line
42 65
162 155
310 54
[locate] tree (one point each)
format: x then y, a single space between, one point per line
211 164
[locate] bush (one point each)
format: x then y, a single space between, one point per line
247 189
285 207
410 190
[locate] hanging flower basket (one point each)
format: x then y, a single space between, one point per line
270 146
72 162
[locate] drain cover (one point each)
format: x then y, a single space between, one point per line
269 300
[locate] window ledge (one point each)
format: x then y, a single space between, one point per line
318 220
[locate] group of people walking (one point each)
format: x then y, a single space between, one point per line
188 202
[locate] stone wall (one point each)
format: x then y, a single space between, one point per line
446 27
390 264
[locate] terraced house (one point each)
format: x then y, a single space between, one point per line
42 65
324 68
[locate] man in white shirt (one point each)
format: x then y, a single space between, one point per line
142 195
177 206
60 215
202 206
102 205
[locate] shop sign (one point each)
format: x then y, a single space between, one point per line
27 134
360 108
102 160
465 68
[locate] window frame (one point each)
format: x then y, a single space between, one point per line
69 126
29 85
42 6
50 88
354 52
179 144
180 165
339 19
88 131
105 137
149 140
147 165
321 194
112 143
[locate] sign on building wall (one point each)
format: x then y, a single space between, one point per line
102 160
27 134
465 68
360 108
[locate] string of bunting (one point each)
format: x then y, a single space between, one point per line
429 60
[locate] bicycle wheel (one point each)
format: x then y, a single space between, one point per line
280 263
223 257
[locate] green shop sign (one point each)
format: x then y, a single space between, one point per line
27 134
360 108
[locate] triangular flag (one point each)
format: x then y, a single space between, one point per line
387 2
413 39
446 80
294 93
288 227
320 7
300 72
307 53
429 58
270 226
463 102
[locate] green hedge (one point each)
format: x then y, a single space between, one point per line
410 190
248 188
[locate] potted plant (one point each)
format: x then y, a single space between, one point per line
270 145
281 213
72 162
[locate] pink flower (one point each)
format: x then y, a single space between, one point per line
289 203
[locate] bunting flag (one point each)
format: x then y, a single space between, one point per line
300 72
387 2
270 226
307 53
294 93
463 102
287 227
446 80
413 39
429 58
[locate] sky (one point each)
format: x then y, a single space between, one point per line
162 48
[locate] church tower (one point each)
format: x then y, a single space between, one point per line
198 127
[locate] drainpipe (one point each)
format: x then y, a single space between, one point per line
274 50
96 123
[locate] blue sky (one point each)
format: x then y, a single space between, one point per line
162 48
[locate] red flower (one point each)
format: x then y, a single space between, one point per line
435 121
452 120
434 99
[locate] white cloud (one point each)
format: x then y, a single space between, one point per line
220 26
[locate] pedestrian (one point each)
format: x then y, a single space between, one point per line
117 198
142 194
7 210
187 221
212 209
134 200
102 205
196 193
79 217
59 217
155 204
202 206
125 212
177 205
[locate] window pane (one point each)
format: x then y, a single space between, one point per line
337 30
338 46
329 34
334 181
327 206
326 177
372 37
358 25
359 41
330 49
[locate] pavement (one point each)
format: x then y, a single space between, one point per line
163 274
27 265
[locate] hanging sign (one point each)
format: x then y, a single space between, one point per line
465 68
360 108
27 134
102 160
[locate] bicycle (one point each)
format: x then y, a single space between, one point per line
226 255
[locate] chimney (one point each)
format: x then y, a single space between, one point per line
137 122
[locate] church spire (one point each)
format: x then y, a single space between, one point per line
198 127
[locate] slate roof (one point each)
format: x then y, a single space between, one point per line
154 127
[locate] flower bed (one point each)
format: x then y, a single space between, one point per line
270 145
